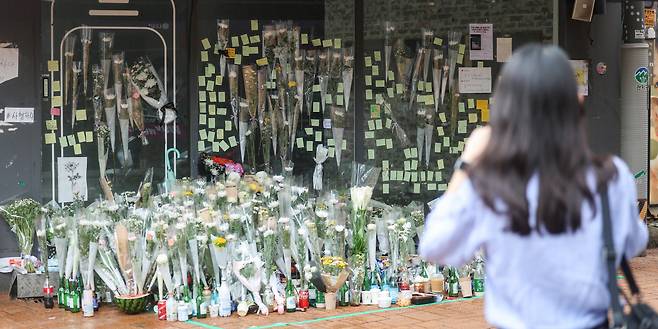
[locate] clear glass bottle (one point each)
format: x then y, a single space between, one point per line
47 294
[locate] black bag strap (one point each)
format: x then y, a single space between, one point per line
609 256
628 274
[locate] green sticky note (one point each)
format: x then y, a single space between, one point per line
316 42
71 139
371 154
390 92
437 147
235 41
309 146
318 136
446 141
201 146
211 123
204 56
388 123
414 152
471 103
228 125
431 186
389 143
245 39
224 146
51 124
461 107
438 41
414 176
460 59
215 146
81 137
380 142
315 122
338 43
371 124
254 25
63 141
339 100
205 43
254 39
368 60
368 94
377 55
385 164
304 38
328 99
331 151
370 134
340 88
316 107
439 131
344 146
472 118
81 115
212 110
77 149
232 141
439 164
414 164
421 86
407 153
50 138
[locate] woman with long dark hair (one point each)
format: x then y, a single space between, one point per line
525 191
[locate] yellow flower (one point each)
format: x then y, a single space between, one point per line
188 193
255 187
219 242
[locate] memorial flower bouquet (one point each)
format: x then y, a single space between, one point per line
21 215
85 39
145 78
222 43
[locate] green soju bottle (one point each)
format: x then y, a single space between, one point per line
60 293
201 306
453 283
74 297
344 295
291 301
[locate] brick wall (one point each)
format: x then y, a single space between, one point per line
411 16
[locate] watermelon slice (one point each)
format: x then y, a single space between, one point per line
132 304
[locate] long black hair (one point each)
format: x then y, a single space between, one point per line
537 127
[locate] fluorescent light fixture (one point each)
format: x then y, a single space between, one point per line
113 1
103 12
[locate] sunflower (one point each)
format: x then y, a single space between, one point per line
219 242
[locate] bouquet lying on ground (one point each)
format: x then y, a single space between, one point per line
20 215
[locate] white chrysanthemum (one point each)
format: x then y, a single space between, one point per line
314 269
391 227
372 227
234 216
307 268
340 228
230 237
284 220
268 233
202 238
407 226
308 276
273 204
162 259
180 226
322 213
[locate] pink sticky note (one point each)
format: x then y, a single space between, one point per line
55 111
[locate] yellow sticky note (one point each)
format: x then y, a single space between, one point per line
211 123
438 41
210 86
224 145
228 125
338 43
63 141
327 43
471 103
368 61
315 122
205 43
316 107
211 136
202 107
89 136
472 118
202 81
245 39
212 97
221 111
49 138
316 42
81 115
219 134
318 136
238 59
53 66
77 149
380 142
377 55
56 101
202 119
261 61
309 146
485 115
51 124
389 143
460 59
215 146
304 39
222 96
368 79
81 137
462 48
399 88
379 83
56 86
219 80
235 41
201 146
254 39
204 56
368 94
371 154
254 25
480 64
212 110
482 104
300 142
370 134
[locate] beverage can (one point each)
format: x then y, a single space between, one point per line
304 299
162 309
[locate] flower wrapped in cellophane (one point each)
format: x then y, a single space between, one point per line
145 78
20 215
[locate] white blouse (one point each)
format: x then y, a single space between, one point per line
537 281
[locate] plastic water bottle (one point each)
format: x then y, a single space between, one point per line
224 300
